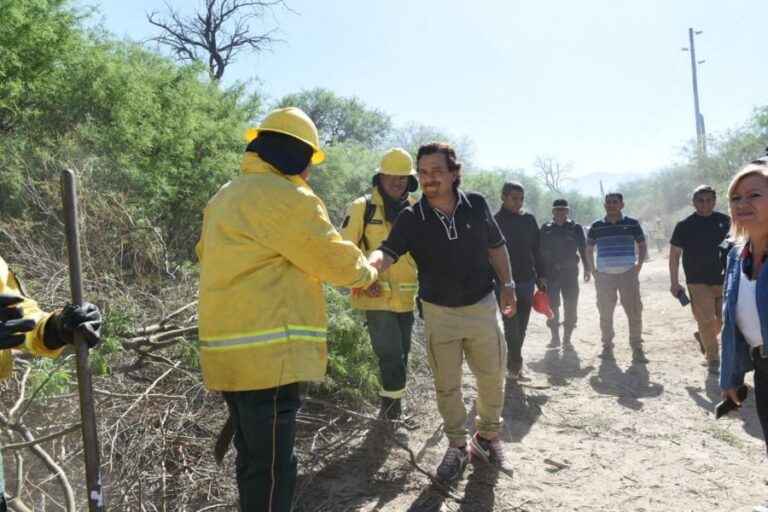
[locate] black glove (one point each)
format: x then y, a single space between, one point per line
62 325
13 325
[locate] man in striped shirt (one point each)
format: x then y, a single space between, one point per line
621 250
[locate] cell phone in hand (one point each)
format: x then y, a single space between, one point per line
683 298
729 405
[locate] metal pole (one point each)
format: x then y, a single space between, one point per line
700 135
87 412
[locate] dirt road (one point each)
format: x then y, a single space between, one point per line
626 437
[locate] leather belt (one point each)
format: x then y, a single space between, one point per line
759 352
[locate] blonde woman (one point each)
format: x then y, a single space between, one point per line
745 310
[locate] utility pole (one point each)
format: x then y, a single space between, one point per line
701 134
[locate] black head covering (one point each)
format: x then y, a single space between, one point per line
287 154
392 207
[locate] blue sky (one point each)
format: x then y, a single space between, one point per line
600 83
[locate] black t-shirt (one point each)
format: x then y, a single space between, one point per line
451 254
522 234
700 238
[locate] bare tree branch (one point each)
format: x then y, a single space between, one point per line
216 35
54 435
552 172
45 458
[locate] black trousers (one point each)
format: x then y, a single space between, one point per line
563 282
515 327
761 394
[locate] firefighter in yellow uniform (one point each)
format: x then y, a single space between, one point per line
23 326
388 304
267 245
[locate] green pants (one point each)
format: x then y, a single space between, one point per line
265 422
391 339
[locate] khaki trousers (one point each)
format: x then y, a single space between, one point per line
475 332
707 307
628 287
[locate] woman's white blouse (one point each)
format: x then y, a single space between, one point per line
746 312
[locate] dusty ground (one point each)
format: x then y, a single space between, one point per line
633 437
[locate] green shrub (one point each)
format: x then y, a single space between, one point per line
190 353
352 366
121 315
98 358
52 377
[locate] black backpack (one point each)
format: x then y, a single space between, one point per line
370 211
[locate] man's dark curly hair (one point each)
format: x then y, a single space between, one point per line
454 164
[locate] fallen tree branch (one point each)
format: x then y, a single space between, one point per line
46 459
27 444
439 485
152 329
160 340
135 402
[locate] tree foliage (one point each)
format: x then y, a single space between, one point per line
340 119
413 135
345 175
152 133
35 38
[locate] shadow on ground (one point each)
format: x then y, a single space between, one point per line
561 365
709 396
522 408
357 479
628 386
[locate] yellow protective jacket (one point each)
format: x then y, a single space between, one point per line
266 247
398 282
34 338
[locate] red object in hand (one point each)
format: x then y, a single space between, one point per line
541 304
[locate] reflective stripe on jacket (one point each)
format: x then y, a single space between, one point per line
34 338
398 282
266 247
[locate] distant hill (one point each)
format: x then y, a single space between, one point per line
589 184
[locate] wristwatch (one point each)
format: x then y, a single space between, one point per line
510 284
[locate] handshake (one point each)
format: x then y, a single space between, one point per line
380 262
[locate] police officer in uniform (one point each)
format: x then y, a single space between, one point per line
562 245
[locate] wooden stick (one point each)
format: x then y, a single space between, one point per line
87 412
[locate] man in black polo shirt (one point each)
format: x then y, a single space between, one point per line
457 246
562 245
698 238
521 231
